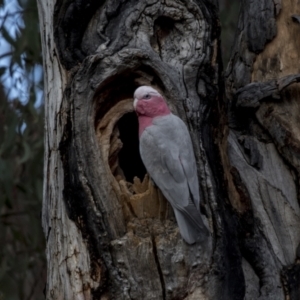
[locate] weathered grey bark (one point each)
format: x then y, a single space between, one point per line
110 233
263 146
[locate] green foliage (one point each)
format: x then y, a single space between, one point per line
22 262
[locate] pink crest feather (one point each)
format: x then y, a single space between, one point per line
149 104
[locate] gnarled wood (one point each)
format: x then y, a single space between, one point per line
110 232
262 144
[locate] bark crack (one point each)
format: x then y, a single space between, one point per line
160 273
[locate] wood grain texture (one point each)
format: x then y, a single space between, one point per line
132 244
69 262
110 232
263 143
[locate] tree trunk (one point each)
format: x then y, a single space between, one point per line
110 232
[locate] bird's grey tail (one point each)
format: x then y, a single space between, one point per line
191 226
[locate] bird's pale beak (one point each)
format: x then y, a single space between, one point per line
135 103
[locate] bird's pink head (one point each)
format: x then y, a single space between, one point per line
149 102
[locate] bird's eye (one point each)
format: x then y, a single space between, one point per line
147 96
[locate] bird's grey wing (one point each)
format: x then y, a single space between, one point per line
163 164
191 225
187 158
188 162
187 213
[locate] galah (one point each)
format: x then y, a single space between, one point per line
167 153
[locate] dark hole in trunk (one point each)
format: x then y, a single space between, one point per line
129 156
164 24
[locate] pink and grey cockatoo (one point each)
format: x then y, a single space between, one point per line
167 153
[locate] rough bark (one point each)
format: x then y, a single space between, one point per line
263 146
110 232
